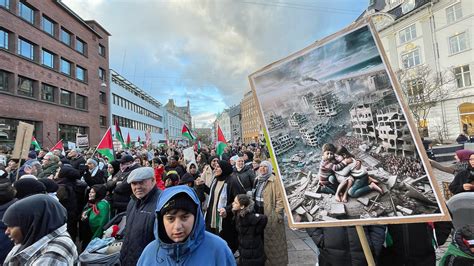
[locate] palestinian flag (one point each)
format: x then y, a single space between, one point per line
58 146
187 133
118 134
128 140
221 142
106 146
35 143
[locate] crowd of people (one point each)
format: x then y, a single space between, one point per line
212 210
175 210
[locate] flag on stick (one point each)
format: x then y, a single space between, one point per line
35 143
128 140
221 142
58 146
118 134
106 145
187 133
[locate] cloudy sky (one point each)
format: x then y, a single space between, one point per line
203 51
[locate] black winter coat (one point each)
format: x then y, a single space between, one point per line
246 176
122 192
78 163
97 179
460 179
139 227
250 230
413 244
341 245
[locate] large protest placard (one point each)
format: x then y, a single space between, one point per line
24 134
82 140
345 147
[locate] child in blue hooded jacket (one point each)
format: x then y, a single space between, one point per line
180 236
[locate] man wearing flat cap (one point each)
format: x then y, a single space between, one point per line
140 214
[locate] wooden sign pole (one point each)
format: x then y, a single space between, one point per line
365 245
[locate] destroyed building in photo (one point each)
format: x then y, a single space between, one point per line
312 135
276 122
392 129
363 122
326 104
282 143
297 120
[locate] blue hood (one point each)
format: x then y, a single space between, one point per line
178 250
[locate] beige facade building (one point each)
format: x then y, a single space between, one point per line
251 125
438 34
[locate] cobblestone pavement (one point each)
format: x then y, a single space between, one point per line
303 252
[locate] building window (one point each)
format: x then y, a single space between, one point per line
48 25
65 67
3 39
414 88
101 50
25 87
26 49
81 102
407 34
65 37
103 97
3 81
81 73
80 46
26 12
458 43
411 59
5 3
47 58
47 93
463 76
453 13
68 132
102 121
66 98
101 74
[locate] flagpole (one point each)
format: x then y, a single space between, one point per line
101 141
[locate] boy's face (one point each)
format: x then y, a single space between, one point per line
328 155
236 205
178 225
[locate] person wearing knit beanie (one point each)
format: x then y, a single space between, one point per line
28 186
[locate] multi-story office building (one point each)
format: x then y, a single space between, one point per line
437 34
53 71
135 111
251 125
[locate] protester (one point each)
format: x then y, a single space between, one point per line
174 165
113 168
224 188
95 215
248 157
341 245
201 160
51 187
180 236
208 172
93 175
50 166
120 187
30 167
159 168
260 155
461 251
269 201
172 179
250 228
7 198
26 187
192 169
12 169
77 160
461 163
66 179
244 174
37 225
464 180
140 214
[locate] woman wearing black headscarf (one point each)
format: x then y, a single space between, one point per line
95 215
224 188
464 180
37 225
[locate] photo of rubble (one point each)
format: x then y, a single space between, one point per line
341 139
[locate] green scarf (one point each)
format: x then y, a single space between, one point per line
455 251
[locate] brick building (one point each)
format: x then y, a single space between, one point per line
251 126
53 71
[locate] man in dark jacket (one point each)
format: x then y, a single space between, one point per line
140 214
341 245
121 189
77 160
